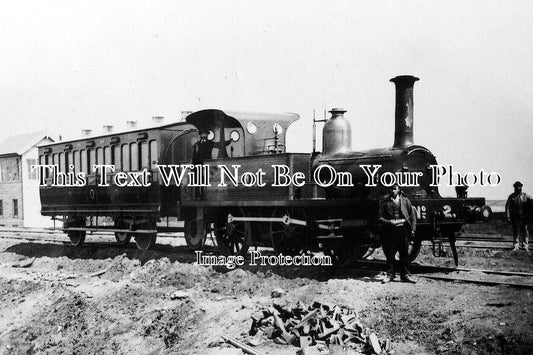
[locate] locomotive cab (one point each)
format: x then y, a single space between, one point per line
239 134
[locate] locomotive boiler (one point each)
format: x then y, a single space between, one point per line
298 217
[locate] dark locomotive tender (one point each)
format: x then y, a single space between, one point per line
340 221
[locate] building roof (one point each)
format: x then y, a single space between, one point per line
21 143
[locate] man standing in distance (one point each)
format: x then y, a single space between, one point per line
515 210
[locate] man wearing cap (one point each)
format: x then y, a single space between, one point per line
399 224
515 211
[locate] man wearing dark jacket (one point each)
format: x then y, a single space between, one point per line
398 224
516 211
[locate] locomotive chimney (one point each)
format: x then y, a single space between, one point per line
403 133
337 133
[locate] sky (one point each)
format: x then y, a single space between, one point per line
70 65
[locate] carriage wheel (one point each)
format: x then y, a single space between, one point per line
77 238
122 238
289 238
193 242
145 241
232 236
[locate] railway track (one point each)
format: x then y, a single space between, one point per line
447 274
460 274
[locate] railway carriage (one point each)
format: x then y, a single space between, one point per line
340 220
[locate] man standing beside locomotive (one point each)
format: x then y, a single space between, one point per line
399 224
516 212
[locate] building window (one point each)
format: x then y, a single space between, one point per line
9 169
32 173
1 207
15 208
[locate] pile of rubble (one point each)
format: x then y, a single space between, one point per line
316 329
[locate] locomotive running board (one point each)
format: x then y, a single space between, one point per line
283 220
288 220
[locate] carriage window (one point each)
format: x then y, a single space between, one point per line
117 158
153 153
107 155
83 156
99 155
125 157
134 150
46 162
77 161
68 161
61 162
91 160
145 164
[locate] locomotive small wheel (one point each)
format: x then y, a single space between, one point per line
145 241
352 240
77 238
193 242
414 249
232 236
288 238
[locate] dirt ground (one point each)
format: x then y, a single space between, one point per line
58 304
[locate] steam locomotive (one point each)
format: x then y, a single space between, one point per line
338 219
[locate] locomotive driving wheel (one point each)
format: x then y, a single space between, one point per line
289 236
193 241
232 235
